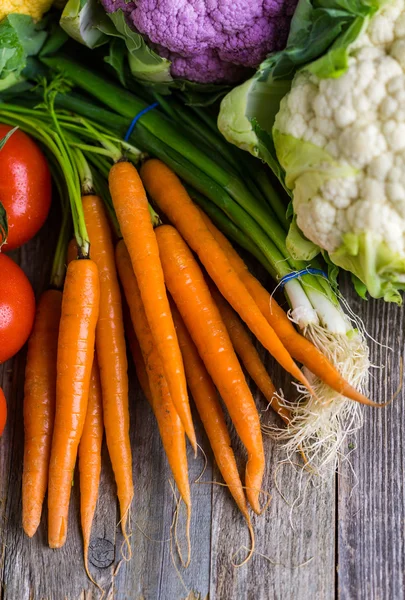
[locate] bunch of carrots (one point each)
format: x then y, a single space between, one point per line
190 297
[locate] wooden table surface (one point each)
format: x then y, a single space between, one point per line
343 538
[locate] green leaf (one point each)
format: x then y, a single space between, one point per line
333 272
8 135
360 287
20 37
144 63
306 165
56 39
83 20
116 58
298 245
380 270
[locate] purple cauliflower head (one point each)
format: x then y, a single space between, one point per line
210 41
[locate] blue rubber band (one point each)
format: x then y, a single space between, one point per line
296 274
136 119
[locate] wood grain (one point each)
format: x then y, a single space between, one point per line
371 509
297 548
294 538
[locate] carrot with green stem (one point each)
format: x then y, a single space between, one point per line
110 344
133 214
157 392
40 386
167 191
299 347
76 341
190 292
248 354
211 414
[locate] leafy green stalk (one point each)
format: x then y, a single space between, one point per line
101 169
84 171
59 261
183 115
56 146
70 168
271 241
128 105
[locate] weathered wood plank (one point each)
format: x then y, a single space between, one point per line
371 549
286 537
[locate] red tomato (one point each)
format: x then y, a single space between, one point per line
3 412
17 308
25 187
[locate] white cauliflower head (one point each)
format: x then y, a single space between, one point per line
341 142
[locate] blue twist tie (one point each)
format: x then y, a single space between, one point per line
136 119
296 274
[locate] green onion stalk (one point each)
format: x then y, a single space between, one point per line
60 156
242 201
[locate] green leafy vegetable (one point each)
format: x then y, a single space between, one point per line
20 37
377 268
82 20
144 63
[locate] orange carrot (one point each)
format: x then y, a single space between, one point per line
172 198
111 353
209 408
299 347
248 354
132 209
171 428
157 392
39 407
189 290
80 306
90 460
71 251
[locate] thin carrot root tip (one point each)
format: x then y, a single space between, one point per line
173 528
126 532
86 568
184 563
250 551
321 423
253 495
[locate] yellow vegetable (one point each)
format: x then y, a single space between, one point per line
33 8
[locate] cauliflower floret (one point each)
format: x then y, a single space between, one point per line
358 121
319 222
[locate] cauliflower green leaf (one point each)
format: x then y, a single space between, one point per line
82 20
374 264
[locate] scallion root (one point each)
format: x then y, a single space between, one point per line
321 423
